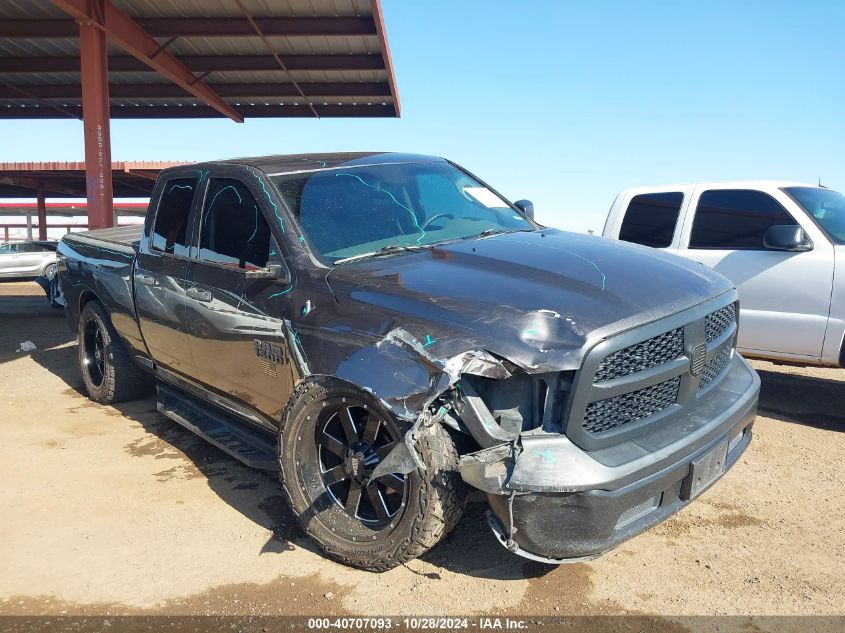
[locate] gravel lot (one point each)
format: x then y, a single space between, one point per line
118 510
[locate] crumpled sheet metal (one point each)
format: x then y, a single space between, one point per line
407 377
489 470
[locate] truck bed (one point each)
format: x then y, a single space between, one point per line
119 238
100 264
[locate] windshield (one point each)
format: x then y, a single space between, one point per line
358 211
826 207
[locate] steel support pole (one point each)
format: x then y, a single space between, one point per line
41 200
95 118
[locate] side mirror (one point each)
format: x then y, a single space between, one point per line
787 237
275 271
526 206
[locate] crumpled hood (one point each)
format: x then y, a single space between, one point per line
538 299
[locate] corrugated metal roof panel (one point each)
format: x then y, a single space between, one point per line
227 8
306 45
49 77
34 9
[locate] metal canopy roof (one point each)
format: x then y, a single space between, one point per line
67 179
68 209
262 58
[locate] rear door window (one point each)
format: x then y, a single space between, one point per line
735 219
651 218
33 247
233 232
170 230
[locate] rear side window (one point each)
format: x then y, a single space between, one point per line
735 219
651 218
171 224
37 247
233 232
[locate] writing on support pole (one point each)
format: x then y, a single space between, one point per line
101 180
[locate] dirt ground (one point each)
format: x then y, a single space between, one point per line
117 510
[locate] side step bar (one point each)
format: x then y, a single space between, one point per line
252 447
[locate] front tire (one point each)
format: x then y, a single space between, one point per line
332 436
108 372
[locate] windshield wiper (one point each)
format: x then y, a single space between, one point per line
384 250
498 230
487 232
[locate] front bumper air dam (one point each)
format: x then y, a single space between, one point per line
565 519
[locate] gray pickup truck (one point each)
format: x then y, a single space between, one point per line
387 331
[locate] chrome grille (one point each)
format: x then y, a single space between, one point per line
717 322
611 413
646 355
715 367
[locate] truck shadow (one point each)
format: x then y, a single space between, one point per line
253 493
28 317
807 400
470 549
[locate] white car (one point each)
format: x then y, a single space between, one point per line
782 244
27 259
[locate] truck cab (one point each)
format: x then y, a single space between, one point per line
780 243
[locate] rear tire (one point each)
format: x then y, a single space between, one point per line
109 373
369 525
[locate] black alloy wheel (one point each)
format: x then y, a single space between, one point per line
352 440
333 436
94 353
109 373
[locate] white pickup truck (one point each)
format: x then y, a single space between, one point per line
782 244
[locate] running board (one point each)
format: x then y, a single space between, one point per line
254 448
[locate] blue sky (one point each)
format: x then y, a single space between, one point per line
563 102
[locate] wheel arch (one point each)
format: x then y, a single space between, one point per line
842 353
85 297
303 385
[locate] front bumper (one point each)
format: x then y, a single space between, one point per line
554 502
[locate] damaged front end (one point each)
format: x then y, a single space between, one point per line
574 462
501 407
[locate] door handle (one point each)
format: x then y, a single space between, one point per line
147 280
199 295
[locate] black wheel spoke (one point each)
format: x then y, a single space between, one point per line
348 425
354 498
392 482
336 447
377 501
371 429
352 440
334 475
